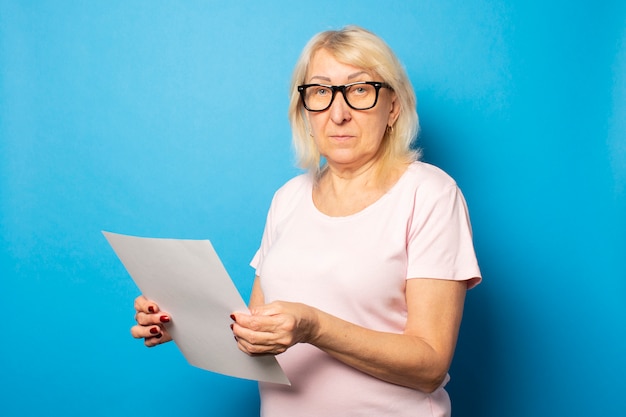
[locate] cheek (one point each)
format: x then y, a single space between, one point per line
314 124
376 127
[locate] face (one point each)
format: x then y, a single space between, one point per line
347 138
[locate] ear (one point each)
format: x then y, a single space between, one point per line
394 112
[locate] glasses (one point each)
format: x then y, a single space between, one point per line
361 95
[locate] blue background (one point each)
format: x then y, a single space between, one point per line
168 119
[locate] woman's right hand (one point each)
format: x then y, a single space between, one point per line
150 323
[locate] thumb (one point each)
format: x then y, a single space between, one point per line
267 309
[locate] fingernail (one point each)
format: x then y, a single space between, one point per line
151 309
154 330
233 318
164 319
158 336
232 326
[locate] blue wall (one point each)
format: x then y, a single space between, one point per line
162 118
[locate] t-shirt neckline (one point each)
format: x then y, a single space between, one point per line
365 210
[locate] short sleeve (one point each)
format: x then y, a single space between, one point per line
439 241
283 202
266 241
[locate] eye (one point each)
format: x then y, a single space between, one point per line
360 90
320 91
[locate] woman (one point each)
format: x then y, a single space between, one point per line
365 260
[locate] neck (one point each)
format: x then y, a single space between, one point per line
342 192
341 178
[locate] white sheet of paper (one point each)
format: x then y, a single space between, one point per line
187 280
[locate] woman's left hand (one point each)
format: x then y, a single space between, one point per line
273 328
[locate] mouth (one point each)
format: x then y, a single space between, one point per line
341 138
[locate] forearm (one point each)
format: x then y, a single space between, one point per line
401 359
256 296
418 358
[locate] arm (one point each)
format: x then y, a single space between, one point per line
418 358
256 297
421 356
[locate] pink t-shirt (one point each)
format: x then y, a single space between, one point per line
355 268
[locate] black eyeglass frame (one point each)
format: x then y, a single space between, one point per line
335 88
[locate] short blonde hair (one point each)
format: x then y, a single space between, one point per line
356 46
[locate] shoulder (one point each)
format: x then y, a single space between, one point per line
296 185
290 194
427 178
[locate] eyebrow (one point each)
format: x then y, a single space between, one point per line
350 77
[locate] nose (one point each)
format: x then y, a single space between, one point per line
339 109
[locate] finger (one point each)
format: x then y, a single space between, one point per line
142 304
258 323
150 319
256 341
259 345
142 332
157 339
152 335
267 310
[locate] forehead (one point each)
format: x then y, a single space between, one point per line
325 66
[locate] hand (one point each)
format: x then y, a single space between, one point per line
150 323
274 328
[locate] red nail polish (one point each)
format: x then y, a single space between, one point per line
151 309
164 319
233 318
154 330
158 336
232 326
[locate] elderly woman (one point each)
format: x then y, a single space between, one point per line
365 260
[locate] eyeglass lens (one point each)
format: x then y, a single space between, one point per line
360 96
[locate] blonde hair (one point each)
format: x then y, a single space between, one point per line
358 47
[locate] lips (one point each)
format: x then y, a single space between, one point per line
341 138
